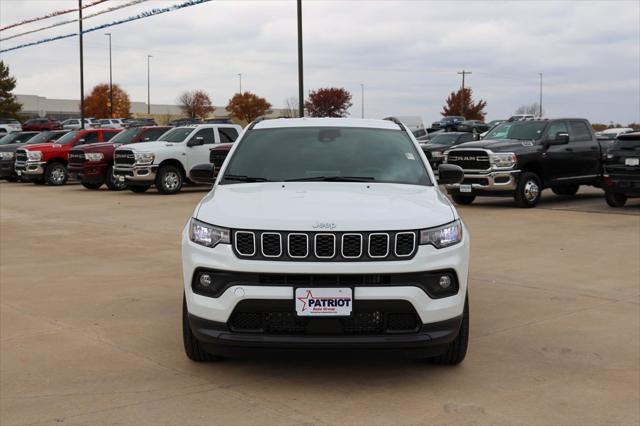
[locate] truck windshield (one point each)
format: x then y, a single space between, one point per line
42 137
126 136
327 154
17 137
67 138
520 130
444 139
177 135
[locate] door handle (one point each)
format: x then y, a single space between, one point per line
569 149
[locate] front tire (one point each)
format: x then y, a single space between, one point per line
528 191
463 200
457 350
192 347
566 190
615 199
169 179
56 174
112 183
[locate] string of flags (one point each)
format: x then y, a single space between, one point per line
51 15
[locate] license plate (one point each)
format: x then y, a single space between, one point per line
324 302
465 188
632 161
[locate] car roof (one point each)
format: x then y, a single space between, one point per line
451 133
326 122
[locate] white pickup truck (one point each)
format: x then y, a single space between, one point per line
165 162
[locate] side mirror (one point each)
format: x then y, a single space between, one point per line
199 140
449 174
203 173
561 139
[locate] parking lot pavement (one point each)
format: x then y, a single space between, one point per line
90 298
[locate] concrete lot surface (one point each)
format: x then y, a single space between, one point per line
90 299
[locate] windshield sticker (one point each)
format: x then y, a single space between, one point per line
409 156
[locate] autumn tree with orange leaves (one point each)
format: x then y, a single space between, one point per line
461 103
98 103
196 104
248 106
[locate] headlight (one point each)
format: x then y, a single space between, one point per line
94 156
207 235
6 155
144 157
442 236
436 154
34 155
503 159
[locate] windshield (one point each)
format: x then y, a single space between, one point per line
16 138
126 136
444 139
42 137
520 130
177 135
67 138
327 154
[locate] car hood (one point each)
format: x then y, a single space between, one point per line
499 145
323 206
12 147
436 147
100 146
41 146
147 146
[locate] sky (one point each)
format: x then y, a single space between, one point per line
407 54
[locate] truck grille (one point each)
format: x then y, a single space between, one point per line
324 246
469 159
21 155
368 318
76 157
124 157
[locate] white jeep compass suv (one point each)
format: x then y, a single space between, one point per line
329 234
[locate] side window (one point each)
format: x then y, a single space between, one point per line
108 135
467 137
207 134
153 134
227 134
555 128
91 137
579 131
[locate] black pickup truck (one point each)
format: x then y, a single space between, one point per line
621 178
521 158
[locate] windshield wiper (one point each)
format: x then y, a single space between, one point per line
333 179
242 178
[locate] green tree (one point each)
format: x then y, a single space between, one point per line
461 103
9 106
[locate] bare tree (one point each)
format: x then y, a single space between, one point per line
290 109
196 104
533 108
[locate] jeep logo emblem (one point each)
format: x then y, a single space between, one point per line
324 225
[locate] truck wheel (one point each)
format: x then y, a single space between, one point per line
92 185
463 200
112 183
528 191
192 346
56 174
169 179
615 199
138 189
456 350
566 189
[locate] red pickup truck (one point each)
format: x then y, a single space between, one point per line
47 162
93 164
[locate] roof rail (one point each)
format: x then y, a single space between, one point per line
398 122
256 121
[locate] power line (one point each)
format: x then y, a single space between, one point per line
141 15
50 15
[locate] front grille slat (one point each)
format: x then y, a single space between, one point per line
124 157
21 155
76 157
469 159
325 246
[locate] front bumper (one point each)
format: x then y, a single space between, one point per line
489 182
136 173
627 183
427 258
30 168
88 171
7 169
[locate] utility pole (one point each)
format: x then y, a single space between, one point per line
81 66
540 103
300 69
362 87
110 79
463 73
148 86
240 77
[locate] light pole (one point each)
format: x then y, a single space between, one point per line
148 86
110 79
240 77
81 66
362 92
463 73
300 68
540 103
